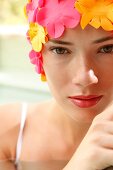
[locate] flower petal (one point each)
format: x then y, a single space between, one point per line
79 7
86 3
41 17
110 15
37 35
58 12
86 18
55 30
36 44
71 22
96 13
40 3
36 59
106 24
95 22
32 56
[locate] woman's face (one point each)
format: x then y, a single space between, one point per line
79 71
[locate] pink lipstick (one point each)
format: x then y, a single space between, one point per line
85 101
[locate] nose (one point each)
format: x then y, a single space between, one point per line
85 78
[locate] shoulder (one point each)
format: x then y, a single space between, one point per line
9 127
39 109
40 125
9 116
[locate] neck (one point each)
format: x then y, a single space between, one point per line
74 130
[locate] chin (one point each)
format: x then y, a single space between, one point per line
84 115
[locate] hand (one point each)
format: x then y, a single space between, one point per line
96 149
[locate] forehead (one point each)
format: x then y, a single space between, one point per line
88 34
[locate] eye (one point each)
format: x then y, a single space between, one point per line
59 50
106 49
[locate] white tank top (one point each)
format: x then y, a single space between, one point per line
20 137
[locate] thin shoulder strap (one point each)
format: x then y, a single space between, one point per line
20 137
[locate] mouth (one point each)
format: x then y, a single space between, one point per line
85 101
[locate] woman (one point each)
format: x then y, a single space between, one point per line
72 48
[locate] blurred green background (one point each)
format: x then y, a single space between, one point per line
18 79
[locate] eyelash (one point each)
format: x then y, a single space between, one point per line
106 48
62 52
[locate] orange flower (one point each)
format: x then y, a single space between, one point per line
98 13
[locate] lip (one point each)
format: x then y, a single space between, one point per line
85 101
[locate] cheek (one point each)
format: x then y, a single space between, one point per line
104 70
106 81
55 74
57 78
107 75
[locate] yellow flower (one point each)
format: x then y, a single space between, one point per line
98 13
25 11
43 77
38 36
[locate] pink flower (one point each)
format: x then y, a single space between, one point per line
36 59
31 10
41 3
56 15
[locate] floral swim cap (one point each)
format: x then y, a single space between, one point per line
51 18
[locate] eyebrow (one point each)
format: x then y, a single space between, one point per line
103 39
60 42
69 43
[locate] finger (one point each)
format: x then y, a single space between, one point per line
106 141
101 127
107 114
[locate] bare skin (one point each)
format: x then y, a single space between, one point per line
60 137
54 138
59 130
